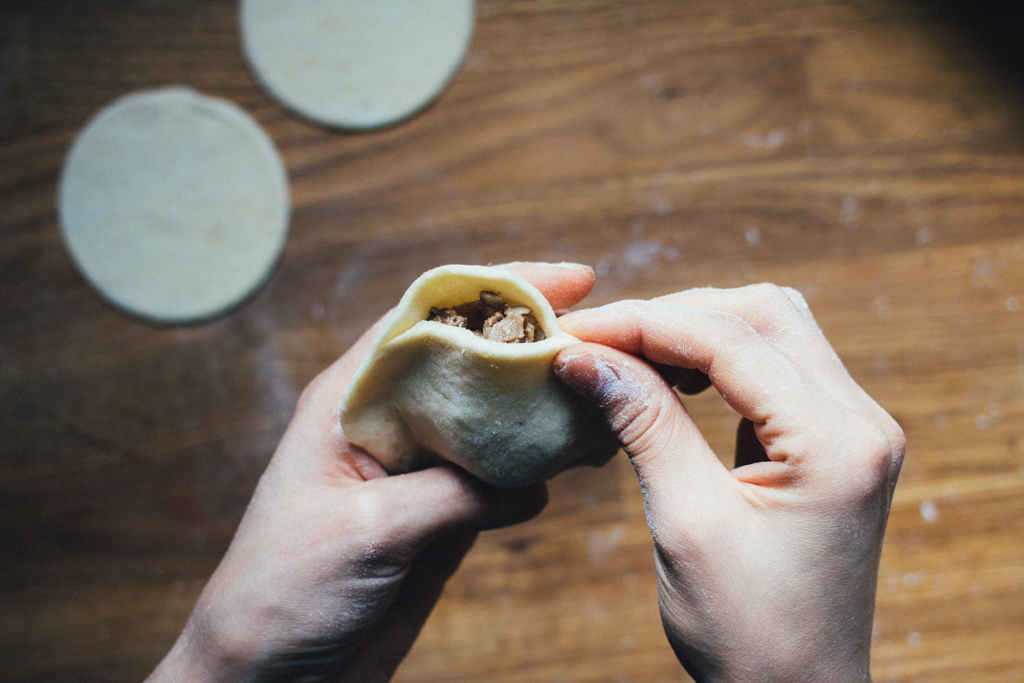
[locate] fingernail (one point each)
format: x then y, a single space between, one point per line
569 320
581 267
575 267
576 315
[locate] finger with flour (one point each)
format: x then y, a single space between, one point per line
794 417
781 316
766 573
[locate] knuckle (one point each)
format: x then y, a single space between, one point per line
873 465
768 302
797 298
646 428
736 325
633 419
769 294
878 456
898 445
378 550
882 445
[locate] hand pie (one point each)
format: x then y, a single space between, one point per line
462 373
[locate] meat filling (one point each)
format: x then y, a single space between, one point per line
491 317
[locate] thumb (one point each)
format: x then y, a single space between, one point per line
420 506
671 457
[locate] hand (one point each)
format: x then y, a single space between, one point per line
336 565
768 572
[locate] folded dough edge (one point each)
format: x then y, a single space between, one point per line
429 393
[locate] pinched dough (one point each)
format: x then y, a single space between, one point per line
429 392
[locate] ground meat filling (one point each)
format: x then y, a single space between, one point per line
491 317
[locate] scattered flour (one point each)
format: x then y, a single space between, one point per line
929 512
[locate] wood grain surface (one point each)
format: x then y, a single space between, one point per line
868 152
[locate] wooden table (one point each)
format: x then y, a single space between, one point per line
867 152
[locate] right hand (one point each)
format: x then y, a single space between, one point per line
768 572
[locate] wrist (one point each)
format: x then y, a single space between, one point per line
188 661
769 667
767 653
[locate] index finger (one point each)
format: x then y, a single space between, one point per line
786 405
562 284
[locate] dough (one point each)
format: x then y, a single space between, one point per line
174 205
355 63
429 392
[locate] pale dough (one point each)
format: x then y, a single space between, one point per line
429 392
174 205
355 63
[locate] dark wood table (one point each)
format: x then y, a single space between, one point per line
868 152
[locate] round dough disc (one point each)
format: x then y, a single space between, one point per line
355 63
174 205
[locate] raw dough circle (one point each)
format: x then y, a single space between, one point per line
174 205
355 63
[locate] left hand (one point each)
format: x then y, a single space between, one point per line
336 565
